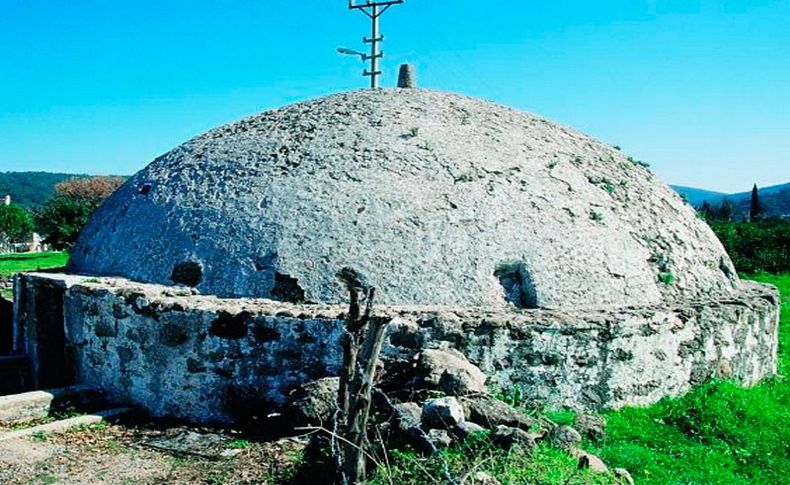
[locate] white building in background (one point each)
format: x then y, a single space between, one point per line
35 245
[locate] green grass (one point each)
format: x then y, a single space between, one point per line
719 433
21 262
544 465
82 428
39 436
238 444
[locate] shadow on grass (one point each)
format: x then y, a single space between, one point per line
27 256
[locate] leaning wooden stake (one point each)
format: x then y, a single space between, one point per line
362 341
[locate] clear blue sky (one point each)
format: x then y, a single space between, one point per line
698 88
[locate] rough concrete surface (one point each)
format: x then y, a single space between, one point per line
436 198
29 406
63 425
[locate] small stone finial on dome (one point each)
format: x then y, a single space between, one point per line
407 78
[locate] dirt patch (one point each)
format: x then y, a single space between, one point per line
116 454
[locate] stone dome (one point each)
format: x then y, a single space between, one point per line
438 199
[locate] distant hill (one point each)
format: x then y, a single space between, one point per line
30 189
775 199
696 197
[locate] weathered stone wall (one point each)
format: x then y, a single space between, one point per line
175 353
632 357
195 358
38 328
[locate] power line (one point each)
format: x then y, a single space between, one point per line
373 9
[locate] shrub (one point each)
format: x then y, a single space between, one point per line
15 223
63 216
62 219
762 245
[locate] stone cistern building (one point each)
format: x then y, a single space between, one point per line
551 260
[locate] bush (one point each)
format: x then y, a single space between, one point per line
762 245
16 225
63 216
62 219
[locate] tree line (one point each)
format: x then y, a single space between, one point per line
32 189
755 244
62 217
725 211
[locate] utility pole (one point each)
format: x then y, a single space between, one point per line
373 9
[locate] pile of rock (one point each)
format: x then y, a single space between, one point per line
448 418
464 410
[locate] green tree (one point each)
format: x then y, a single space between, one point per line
63 216
15 223
725 210
61 219
708 211
762 245
755 207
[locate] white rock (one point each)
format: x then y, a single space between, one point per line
623 475
449 371
440 438
466 429
565 437
590 461
483 478
442 413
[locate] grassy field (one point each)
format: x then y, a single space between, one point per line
717 434
15 263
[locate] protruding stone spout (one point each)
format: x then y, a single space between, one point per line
407 77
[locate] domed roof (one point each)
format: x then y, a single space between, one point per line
436 198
